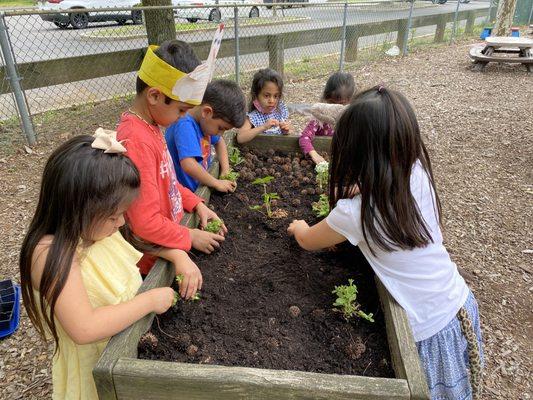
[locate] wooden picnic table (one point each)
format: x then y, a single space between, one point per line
503 49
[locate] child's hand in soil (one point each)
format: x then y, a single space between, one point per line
205 214
225 186
296 227
270 123
161 299
286 127
204 241
191 276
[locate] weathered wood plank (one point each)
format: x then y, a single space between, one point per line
64 70
60 71
150 380
404 354
285 143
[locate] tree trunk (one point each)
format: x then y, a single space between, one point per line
160 25
504 18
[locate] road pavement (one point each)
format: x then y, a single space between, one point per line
34 39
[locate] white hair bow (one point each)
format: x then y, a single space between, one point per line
105 139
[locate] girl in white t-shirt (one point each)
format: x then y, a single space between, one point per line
378 153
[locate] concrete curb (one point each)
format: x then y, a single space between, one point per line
90 37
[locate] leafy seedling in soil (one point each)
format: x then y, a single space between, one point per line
214 226
230 176
347 304
267 197
321 207
235 156
179 279
322 171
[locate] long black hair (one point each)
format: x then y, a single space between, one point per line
80 187
261 78
376 144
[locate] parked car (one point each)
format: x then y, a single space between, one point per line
214 13
281 3
80 19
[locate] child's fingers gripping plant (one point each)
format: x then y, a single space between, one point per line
179 280
322 170
347 304
267 197
321 207
214 226
234 156
230 176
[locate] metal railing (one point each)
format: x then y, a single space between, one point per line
49 67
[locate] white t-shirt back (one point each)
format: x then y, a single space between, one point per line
424 281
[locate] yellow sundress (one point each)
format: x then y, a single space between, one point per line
110 276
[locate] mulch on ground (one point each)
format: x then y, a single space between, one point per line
478 128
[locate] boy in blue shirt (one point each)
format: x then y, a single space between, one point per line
190 139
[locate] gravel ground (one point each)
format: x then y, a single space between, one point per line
479 129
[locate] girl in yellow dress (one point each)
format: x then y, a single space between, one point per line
79 276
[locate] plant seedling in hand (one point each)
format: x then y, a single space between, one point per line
322 171
179 279
347 304
214 226
230 176
234 156
267 197
321 207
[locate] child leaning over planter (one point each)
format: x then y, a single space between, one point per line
190 140
165 91
78 275
267 112
395 221
339 89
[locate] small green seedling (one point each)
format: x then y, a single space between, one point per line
322 171
179 279
347 304
214 226
230 176
321 207
267 197
234 156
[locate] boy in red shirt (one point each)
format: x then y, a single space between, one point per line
154 217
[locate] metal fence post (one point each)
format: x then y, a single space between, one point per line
454 27
14 79
406 37
530 14
237 57
343 38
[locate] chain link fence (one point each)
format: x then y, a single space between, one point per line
64 59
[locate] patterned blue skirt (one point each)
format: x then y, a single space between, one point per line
444 357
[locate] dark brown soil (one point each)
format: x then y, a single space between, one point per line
265 302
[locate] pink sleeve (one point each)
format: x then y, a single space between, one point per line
307 136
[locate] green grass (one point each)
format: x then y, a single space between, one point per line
17 3
184 27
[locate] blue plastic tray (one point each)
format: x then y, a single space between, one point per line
9 308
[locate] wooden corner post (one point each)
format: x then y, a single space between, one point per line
276 50
441 29
352 43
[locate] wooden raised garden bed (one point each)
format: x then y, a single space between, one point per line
121 374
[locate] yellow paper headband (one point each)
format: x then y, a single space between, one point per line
188 88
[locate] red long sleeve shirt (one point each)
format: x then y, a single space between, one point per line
156 213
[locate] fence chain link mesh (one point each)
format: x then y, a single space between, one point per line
86 56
